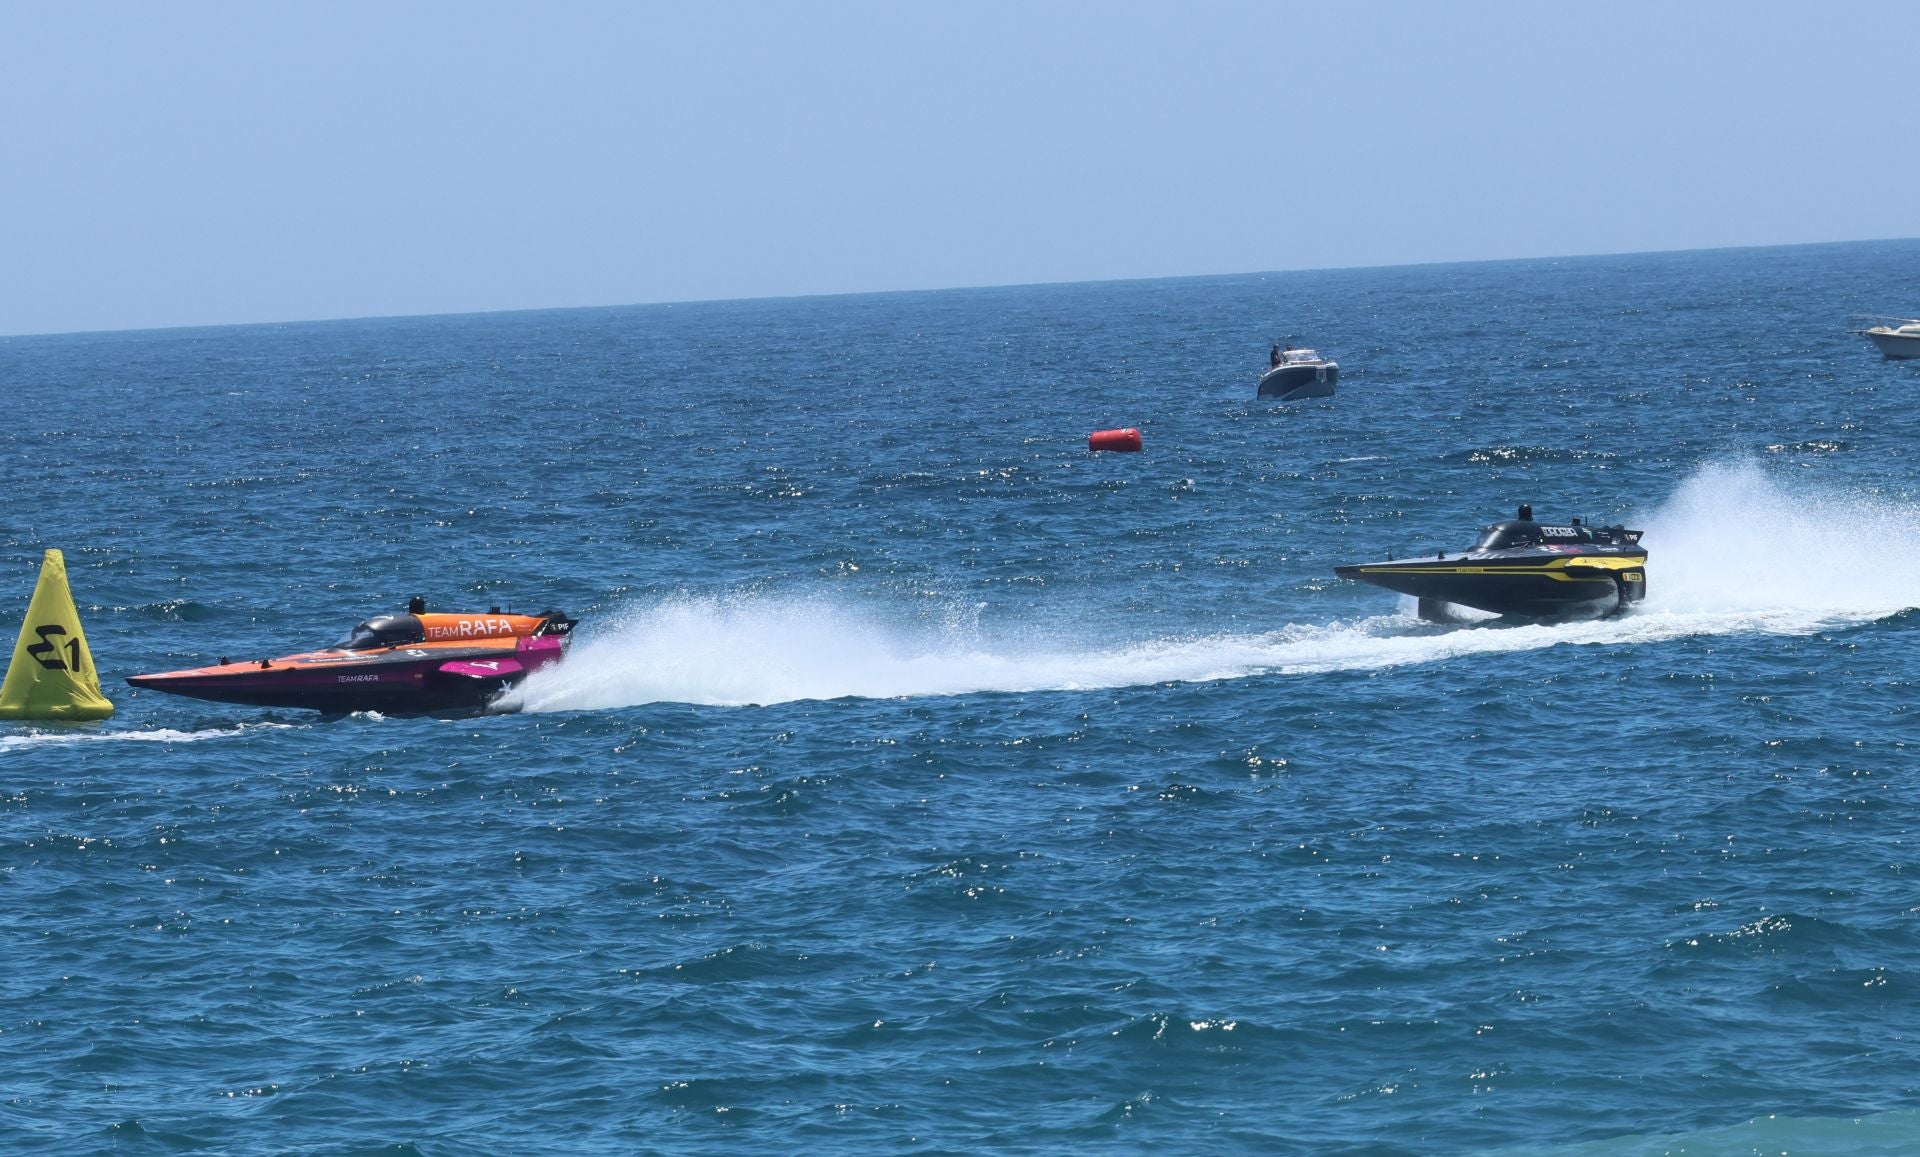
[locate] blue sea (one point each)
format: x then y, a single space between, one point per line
920 782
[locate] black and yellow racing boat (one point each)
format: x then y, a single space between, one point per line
1523 568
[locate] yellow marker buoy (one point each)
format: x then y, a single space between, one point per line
52 674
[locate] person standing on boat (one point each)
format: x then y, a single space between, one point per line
1274 357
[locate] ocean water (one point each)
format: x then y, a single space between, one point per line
920 782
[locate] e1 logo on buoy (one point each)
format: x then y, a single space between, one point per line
47 652
1125 439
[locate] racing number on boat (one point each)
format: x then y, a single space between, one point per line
47 652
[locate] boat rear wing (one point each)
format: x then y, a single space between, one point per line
1615 535
555 623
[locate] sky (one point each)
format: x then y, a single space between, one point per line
197 163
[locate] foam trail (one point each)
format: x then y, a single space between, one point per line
773 650
1734 551
155 735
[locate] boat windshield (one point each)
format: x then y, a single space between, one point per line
382 631
1502 535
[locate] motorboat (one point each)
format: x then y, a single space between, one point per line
1897 338
1522 568
1299 374
396 664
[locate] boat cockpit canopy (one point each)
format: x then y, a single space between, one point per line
383 631
1509 534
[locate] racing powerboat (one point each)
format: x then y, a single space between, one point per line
1299 374
1523 568
396 664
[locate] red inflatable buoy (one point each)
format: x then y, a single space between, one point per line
1127 438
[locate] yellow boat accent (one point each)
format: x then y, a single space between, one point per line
1608 562
52 674
1555 569
1552 570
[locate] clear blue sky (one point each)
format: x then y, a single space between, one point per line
196 163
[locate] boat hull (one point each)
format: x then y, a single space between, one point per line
1286 383
1544 585
1895 346
424 679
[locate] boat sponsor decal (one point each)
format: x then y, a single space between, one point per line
471 629
358 678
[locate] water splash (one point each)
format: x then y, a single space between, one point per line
1737 537
1734 551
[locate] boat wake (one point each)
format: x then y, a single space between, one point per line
94 733
1734 552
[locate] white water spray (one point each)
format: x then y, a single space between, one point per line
1734 551
1735 538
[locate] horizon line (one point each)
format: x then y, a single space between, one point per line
932 289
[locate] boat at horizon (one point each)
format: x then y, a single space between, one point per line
1299 373
1897 338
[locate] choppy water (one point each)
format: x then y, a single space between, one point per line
921 782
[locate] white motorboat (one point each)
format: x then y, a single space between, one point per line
1895 337
1300 374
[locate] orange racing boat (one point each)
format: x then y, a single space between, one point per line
396 664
